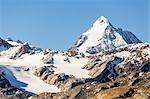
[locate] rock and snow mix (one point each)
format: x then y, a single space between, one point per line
102 36
60 65
24 79
101 54
24 66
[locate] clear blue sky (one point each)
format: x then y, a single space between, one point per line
58 23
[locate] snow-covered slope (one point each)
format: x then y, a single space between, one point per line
21 78
16 43
102 36
20 71
30 68
73 67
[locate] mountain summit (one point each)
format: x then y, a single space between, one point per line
95 67
103 36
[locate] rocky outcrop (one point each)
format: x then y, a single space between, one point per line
7 89
120 73
122 88
44 71
4 83
58 79
48 56
15 52
80 41
4 45
119 67
117 63
61 80
15 96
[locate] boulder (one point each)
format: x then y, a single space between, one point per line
57 79
48 59
44 71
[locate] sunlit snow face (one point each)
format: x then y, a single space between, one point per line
103 36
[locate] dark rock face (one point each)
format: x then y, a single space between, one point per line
22 50
63 81
110 66
44 71
57 79
80 41
5 44
121 88
105 71
4 83
18 51
73 52
7 91
15 96
146 67
48 58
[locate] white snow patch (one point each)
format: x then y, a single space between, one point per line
95 33
26 60
123 54
26 80
14 43
35 84
72 68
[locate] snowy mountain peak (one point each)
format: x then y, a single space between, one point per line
96 58
102 21
103 36
99 25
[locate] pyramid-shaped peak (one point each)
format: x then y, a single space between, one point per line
103 36
102 21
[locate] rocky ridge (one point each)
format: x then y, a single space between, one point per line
118 66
